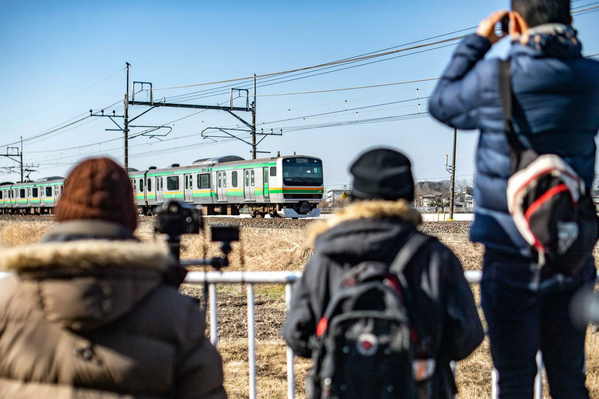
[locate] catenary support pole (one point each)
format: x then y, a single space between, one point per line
452 197
21 153
254 122
126 130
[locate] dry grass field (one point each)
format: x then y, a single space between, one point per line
285 249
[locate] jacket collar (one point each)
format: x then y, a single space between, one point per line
376 209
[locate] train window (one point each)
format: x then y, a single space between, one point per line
252 178
34 192
1 194
149 184
220 180
172 183
48 191
234 179
247 178
190 182
186 180
225 179
204 181
141 184
273 171
22 193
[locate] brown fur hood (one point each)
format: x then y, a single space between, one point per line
83 275
377 209
84 254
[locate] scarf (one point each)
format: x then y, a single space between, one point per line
554 40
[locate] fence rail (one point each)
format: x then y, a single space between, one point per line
287 278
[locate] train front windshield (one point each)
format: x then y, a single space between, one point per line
302 172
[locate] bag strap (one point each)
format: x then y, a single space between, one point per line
505 92
412 245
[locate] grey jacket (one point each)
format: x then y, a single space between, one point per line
87 314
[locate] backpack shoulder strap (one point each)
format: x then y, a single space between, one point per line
412 245
506 95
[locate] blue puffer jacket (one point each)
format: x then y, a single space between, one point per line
556 110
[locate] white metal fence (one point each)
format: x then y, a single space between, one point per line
286 278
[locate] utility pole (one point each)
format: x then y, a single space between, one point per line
126 129
254 122
22 175
451 169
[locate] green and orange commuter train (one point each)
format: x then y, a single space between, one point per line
286 186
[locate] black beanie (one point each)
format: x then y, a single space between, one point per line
382 173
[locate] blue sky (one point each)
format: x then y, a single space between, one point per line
63 58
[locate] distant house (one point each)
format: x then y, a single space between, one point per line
426 200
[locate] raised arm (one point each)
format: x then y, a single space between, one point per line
458 96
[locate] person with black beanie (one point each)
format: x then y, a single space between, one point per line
374 227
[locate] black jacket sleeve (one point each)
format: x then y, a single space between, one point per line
463 329
305 311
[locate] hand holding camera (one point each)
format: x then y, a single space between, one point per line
486 28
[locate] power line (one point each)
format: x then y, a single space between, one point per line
359 58
66 98
57 127
348 88
181 96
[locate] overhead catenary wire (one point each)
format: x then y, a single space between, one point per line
347 88
179 97
582 10
319 65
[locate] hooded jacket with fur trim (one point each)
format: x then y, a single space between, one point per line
450 328
86 314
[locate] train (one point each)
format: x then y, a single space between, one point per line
282 186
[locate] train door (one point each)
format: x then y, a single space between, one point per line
188 190
248 185
159 189
221 190
266 183
150 187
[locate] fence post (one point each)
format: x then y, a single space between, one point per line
251 340
539 377
494 383
290 360
213 315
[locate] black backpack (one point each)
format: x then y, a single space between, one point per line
550 205
363 346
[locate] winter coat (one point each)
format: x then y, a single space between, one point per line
86 314
439 294
556 110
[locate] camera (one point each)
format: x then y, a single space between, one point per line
505 24
177 218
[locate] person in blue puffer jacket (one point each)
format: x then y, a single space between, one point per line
556 110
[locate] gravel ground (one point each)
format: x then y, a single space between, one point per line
434 228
